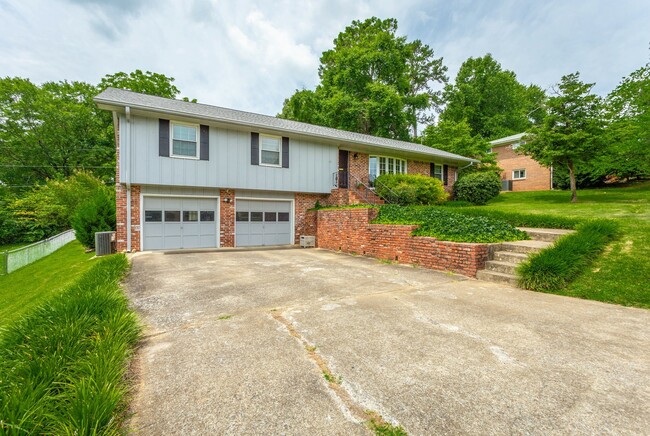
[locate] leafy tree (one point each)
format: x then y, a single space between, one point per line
627 112
570 133
50 131
96 214
47 209
146 83
491 100
371 82
456 137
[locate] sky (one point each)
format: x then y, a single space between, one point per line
251 55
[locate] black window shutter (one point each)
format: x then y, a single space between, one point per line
432 169
204 153
445 174
255 148
163 137
285 152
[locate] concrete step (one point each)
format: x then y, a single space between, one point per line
549 235
500 266
494 276
509 256
525 247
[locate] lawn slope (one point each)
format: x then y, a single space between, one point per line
24 289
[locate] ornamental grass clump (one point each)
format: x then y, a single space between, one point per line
555 267
63 366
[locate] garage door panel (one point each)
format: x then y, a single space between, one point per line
260 222
173 223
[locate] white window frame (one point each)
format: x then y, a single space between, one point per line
171 140
442 172
378 166
279 138
520 171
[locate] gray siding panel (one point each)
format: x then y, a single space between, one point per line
310 164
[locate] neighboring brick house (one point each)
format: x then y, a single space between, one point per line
192 175
520 172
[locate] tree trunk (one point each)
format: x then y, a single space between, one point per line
572 181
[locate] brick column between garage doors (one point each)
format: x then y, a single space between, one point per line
227 218
350 231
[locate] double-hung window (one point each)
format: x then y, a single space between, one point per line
437 172
519 174
270 147
184 140
379 165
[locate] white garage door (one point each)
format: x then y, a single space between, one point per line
262 223
174 222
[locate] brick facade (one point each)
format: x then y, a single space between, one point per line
538 177
304 222
417 167
350 231
227 218
120 217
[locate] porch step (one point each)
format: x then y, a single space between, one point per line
499 277
509 256
548 235
500 266
525 247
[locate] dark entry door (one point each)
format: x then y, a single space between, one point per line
343 169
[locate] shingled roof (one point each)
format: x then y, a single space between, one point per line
113 97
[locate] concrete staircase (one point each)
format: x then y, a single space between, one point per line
505 257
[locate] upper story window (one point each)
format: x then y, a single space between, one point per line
519 174
437 172
379 165
270 147
184 140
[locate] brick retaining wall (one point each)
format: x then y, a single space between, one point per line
350 231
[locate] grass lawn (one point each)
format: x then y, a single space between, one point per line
25 288
622 274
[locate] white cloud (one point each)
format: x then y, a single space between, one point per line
250 55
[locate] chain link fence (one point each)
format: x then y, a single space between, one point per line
11 260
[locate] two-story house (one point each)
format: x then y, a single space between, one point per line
520 172
192 175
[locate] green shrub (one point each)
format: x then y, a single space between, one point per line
410 189
48 209
96 215
449 226
555 267
477 188
62 367
518 219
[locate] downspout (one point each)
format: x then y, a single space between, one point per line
127 177
466 166
551 177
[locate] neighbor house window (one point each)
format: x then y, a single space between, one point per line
184 140
437 172
270 150
379 165
518 174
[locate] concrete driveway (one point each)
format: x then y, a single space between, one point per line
238 342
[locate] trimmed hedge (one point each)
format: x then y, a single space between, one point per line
97 214
449 226
555 267
62 367
410 189
477 188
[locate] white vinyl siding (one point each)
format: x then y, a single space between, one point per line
311 164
